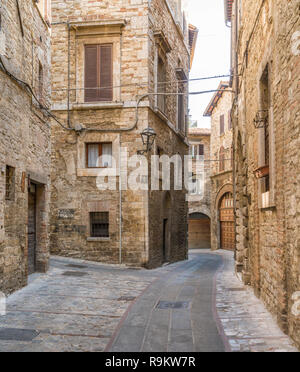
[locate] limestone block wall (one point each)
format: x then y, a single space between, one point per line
202 204
221 180
130 26
268 238
24 138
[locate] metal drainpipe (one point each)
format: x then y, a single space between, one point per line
120 201
69 57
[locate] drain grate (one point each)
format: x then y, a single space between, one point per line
74 273
76 266
16 334
126 298
173 305
236 289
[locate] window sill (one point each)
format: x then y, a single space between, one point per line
266 202
88 106
98 239
161 114
95 172
96 106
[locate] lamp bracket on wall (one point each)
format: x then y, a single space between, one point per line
261 119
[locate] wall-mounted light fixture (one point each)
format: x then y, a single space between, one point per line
261 119
148 136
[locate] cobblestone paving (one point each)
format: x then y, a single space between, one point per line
247 324
82 312
73 313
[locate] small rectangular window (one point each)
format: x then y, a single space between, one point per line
99 155
161 85
10 183
229 120
222 126
99 224
201 150
41 77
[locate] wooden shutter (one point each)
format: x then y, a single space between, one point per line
106 80
161 87
201 149
98 73
222 127
91 73
229 120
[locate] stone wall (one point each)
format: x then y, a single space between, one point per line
136 224
268 231
221 180
24 138
201 204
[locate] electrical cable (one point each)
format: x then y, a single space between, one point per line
25 86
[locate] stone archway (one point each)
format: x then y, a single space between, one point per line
199 231
226 222
216 223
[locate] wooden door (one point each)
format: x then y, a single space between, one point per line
31 229
199 233
227 223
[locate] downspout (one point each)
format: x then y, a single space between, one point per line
120 201
69 68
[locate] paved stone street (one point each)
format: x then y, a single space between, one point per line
80 306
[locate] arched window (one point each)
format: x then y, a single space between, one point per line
222 159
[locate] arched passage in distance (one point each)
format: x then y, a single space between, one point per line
199 231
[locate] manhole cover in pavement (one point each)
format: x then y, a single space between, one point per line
15 334
126 298
74 273
172 305
76 266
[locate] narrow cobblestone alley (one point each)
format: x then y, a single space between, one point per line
80 306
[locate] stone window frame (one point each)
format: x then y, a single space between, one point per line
266 200
91 137
10 183
94 207
162 48
91 33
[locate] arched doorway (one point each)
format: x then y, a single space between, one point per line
199 231
226 217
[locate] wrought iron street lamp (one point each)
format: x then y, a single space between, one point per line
148 136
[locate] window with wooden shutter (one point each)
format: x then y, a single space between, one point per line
222 125
229 120
201 150
161 85
10 183
222 159
99 155
98 73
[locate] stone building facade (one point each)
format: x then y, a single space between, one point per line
24 141
221 152
200 195
266 68
110 60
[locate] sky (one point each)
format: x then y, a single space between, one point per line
212 56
